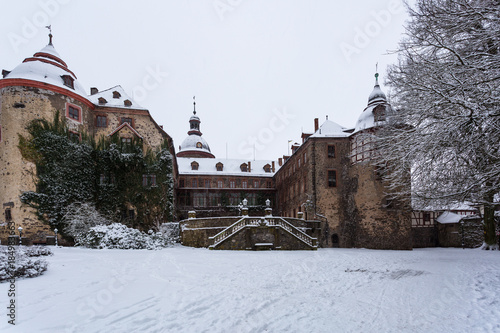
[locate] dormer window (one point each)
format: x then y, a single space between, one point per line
194 165
102 100
219 166
267 168
244 167
68 81
116 94
127 102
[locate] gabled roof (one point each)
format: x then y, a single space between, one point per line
119 128
113 102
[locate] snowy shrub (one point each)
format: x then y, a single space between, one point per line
21 265
119 236
37 251
80 217
171 230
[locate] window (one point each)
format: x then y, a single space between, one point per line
207 183
331 151
379 113
244 167
269 184
101 121
219 166
256 184
116 94
267 168
127 102
199 145
126 141
148 180
332 178
73 112
298 162
305 157
130 121
181 183
244 184
68 81
219 184
102 100
194 183
8 215
427 217
232 184
194 165
74 136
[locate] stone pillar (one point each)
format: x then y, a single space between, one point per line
269 211
300 215
191 214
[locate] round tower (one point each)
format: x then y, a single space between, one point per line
379 221
40 86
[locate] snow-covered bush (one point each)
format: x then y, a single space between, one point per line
80 217
119 236
171 230
37 251
17 261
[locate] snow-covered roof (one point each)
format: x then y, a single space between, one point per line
231 167
115 97
194 143
46 66
330 129
449 217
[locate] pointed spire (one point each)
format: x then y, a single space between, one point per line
50 33
194 104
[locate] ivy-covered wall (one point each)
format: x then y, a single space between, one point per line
122 180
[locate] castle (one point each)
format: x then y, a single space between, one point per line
39 87
328 187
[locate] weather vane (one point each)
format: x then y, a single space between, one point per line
194 104
50 28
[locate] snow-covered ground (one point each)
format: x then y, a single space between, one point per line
196 290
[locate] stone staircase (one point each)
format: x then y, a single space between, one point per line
247 222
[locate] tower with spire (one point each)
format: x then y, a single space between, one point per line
194 145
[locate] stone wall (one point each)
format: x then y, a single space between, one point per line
196 232
424 237
19 106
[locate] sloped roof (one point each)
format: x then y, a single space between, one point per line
207 166
449 217
330 129
113 102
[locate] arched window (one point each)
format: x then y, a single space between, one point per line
194 165
244 167
219 166
267 168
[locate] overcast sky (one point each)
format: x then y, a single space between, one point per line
261 70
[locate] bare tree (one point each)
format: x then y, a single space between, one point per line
446 89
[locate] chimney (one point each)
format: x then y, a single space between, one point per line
316 124
249 166
272 165
280 161
94 90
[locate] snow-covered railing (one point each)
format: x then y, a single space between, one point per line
262 222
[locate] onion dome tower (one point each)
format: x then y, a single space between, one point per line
194 145
377 110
